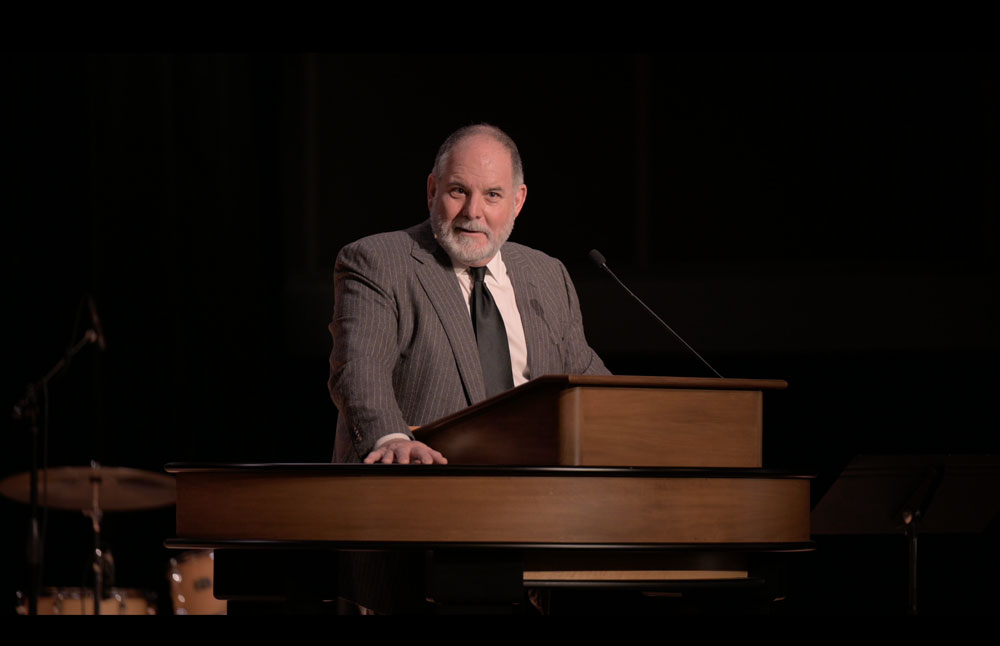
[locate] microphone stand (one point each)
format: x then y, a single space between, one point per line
27 409
599 260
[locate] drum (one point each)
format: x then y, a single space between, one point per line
80 601
191 588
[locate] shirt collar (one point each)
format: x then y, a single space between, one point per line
494 267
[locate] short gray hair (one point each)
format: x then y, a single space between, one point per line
480 129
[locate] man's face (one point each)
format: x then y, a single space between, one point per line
474 202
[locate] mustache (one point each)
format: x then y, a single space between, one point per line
471 225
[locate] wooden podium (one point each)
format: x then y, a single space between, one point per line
576 420
641 482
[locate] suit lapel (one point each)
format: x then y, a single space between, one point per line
436 275
529 305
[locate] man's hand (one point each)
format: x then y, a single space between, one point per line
405 452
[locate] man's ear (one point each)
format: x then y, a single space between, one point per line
519 197
431 190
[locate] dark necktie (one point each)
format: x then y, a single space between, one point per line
491 336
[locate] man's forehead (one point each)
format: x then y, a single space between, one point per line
479 153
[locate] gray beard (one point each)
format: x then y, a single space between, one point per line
465 251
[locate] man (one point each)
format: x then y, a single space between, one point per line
413 315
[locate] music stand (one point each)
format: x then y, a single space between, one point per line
911 494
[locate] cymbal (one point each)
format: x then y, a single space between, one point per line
121 488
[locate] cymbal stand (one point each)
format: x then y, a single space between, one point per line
27 409
96 515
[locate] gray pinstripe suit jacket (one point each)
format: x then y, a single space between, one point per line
404 351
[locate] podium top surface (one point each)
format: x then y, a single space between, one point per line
640 381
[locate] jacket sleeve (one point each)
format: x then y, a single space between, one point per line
579 356
365 350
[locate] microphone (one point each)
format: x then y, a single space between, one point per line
599 260
96 322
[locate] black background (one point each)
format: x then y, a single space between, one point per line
825 218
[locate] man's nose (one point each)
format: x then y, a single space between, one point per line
473 208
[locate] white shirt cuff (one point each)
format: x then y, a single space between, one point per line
391 436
